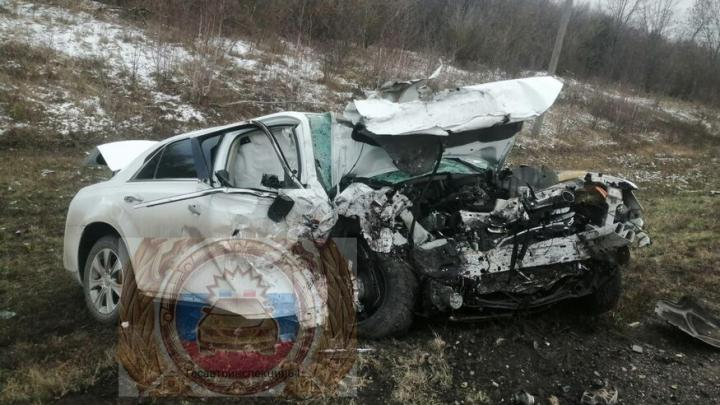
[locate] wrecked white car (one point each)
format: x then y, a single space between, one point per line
417 176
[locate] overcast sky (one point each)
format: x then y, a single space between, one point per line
683 5
681 12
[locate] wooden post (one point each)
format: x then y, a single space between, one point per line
564 21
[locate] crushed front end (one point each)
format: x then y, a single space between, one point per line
503 240
443 226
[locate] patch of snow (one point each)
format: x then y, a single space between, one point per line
175 109
68 117
677 110
662 170
127 51
80 35
299 68
184 113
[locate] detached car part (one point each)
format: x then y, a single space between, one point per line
691 317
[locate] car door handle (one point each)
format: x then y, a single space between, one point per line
132 199
193 208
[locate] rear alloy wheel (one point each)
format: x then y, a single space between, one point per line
103 279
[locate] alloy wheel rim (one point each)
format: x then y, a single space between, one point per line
105 283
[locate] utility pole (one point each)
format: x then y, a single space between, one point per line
564 21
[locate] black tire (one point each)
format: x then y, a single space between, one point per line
108 315
138 352
607 294
394 315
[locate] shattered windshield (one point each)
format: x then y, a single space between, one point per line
450 165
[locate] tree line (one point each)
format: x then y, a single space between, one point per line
649 45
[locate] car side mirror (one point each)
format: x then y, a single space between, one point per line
280 207
271 181
224 178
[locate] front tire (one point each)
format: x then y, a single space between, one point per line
103 278
607 294
388 292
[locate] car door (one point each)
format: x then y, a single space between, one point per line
260 163
164 198
255 170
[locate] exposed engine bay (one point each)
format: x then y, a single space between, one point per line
504 240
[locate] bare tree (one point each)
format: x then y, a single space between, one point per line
628 41
704 23
623 11
658 16
210 49
461 26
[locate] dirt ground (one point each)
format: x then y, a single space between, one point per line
562 354
557 353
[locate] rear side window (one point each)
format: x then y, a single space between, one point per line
148 171
177 162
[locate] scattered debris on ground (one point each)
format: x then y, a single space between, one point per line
600 394
524 398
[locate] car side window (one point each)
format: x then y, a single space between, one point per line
177 162
148 171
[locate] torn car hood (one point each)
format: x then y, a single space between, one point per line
463 109
117 155
476 124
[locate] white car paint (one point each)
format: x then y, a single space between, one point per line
191 207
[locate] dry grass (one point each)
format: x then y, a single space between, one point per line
33 383
52 347
35 77
421 373
684 258
477 397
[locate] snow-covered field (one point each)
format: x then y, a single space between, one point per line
133 56
126 51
